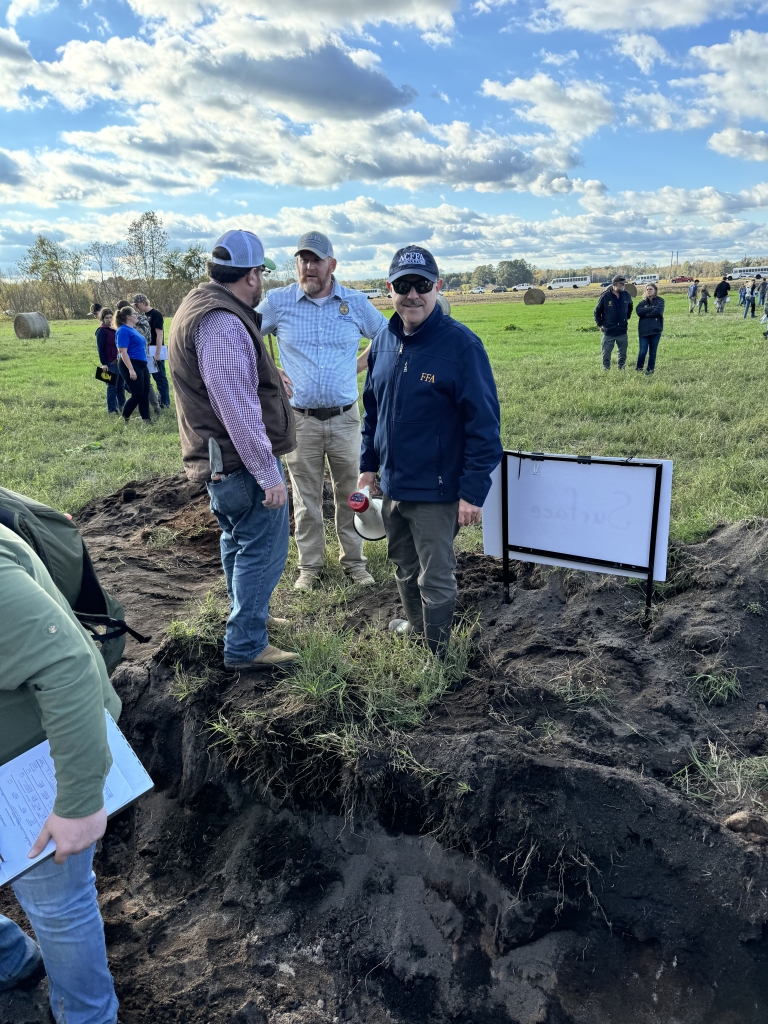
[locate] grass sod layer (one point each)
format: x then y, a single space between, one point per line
353 692
704 407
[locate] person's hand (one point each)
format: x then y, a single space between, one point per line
105 368
367 480
287 382
71 835
274 497
132 374
469 514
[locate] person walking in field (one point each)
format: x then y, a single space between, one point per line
55 686
156 325
107 348
703 298
319 324
761 291
721 294
650 324
749 298
431 426
612 314
742 294
132 347
693 291
235 422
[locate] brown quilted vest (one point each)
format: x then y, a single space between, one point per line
197 420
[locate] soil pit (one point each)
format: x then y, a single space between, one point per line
546 869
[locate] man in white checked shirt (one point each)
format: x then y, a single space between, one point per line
319 324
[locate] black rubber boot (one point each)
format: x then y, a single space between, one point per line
438 620
410 596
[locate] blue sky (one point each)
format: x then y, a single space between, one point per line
563 131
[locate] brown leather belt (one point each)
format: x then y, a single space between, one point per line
325 414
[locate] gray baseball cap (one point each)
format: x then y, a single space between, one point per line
618 278
245 250
316 242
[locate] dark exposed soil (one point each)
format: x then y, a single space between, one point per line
549 872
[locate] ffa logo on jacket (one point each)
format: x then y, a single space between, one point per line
428 377
343 308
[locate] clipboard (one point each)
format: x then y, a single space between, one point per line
106 376
28 792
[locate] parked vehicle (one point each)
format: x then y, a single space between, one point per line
645 279
681 280
522 287
569 282
749 272
477 291
499 288
372 293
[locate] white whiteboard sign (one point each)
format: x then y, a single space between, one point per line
589 510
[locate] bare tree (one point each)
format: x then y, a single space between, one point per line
105 257
188 266
146 247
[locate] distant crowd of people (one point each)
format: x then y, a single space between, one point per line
614 309
130 340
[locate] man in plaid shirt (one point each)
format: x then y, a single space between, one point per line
319 324
234 424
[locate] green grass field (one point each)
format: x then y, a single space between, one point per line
705 408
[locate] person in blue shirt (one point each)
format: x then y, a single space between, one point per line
319 324
431 426
132 349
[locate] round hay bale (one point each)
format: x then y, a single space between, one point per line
443 303
31 325
632 289
534 297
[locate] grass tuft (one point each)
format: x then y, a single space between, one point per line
718 776
716 688
201 636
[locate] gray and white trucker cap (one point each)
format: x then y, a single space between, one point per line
245 250
316 242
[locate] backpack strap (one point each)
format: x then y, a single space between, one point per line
90 621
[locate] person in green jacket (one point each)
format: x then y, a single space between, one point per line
54 685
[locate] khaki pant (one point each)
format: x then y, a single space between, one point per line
338 440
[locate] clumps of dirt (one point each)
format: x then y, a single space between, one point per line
555 845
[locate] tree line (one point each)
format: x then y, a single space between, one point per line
63 282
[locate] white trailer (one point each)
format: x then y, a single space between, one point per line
569 282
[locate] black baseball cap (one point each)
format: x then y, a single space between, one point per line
413 259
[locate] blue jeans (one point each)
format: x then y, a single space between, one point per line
254 547
60 902
116 391
161 381
648 345
749 303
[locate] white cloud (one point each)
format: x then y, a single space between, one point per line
558 59
593 16
576 110
28 8
644 50
365 233
740 144
660 112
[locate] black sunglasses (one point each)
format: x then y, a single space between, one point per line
403 285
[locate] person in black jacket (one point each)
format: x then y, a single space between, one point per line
612 313
107 346
721 294
650 324
431 424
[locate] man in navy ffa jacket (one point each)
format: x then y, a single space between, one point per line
612 312
431 426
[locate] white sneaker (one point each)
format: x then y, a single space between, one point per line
307 580
361 576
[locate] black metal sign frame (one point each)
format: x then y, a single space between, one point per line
583 460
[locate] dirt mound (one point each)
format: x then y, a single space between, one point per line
541 855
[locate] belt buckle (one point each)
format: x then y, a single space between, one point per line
325 414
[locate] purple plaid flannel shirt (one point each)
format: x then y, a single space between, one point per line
227 361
